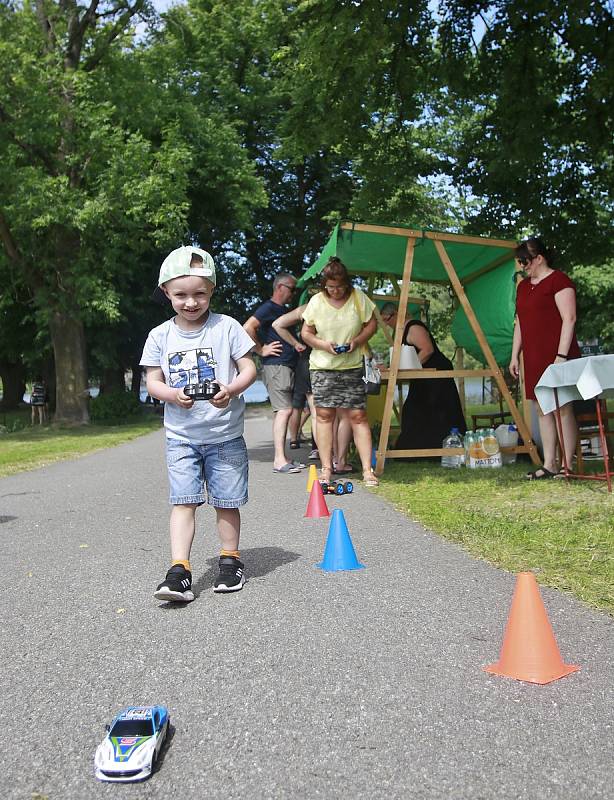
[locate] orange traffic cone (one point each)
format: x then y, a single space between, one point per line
313 476
529 652
316 507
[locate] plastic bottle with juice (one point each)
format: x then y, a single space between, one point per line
491 448
468 438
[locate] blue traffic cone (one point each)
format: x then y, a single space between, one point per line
339 552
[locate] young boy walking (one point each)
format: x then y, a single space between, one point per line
205 451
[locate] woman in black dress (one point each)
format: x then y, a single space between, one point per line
432 407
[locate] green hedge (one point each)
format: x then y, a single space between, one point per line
115 408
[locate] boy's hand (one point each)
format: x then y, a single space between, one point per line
182 400
222 398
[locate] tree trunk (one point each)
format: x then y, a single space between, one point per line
113 380
137 374
48 375
13 385
72 395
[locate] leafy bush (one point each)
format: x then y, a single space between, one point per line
14 421
115 408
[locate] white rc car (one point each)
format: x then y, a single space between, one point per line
132 745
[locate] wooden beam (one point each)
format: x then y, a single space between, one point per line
439 373
490 359
396 356
417 301
435 236
389 231
493 265
382 325
459 359
461 237
446 451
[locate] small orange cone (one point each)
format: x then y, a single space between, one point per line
529 652
313 476
316 507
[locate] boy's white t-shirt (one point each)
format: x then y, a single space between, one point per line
188 357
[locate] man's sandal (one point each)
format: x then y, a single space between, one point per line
540 474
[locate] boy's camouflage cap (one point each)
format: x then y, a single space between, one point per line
177 264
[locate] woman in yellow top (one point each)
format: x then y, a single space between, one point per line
337 324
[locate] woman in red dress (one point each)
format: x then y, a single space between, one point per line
545 332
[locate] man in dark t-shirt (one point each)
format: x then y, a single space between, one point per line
278 363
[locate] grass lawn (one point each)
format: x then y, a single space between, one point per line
563 531
32 447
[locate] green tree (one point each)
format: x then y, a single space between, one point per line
595 290
76 183
229 56
359 77
528 107
104 149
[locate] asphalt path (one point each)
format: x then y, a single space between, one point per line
365 684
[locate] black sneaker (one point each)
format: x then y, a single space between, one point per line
231 577
177 586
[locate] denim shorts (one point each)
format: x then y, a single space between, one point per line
222 468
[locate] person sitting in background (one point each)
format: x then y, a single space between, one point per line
432 406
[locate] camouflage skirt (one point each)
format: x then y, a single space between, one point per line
341 388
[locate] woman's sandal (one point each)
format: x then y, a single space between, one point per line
325 476
540 474
294 445
370 478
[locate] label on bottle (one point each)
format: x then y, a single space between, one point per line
484 451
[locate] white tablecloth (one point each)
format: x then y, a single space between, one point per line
578 379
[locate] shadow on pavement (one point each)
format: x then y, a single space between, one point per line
265 454
258 561
167 743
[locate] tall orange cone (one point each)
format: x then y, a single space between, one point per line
316 507
313 476
529 652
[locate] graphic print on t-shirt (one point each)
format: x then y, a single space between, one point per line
188 367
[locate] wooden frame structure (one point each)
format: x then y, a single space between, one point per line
394 375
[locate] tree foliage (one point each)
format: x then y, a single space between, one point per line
527 93
99 156
250 127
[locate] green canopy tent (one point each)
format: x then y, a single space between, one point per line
481 273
